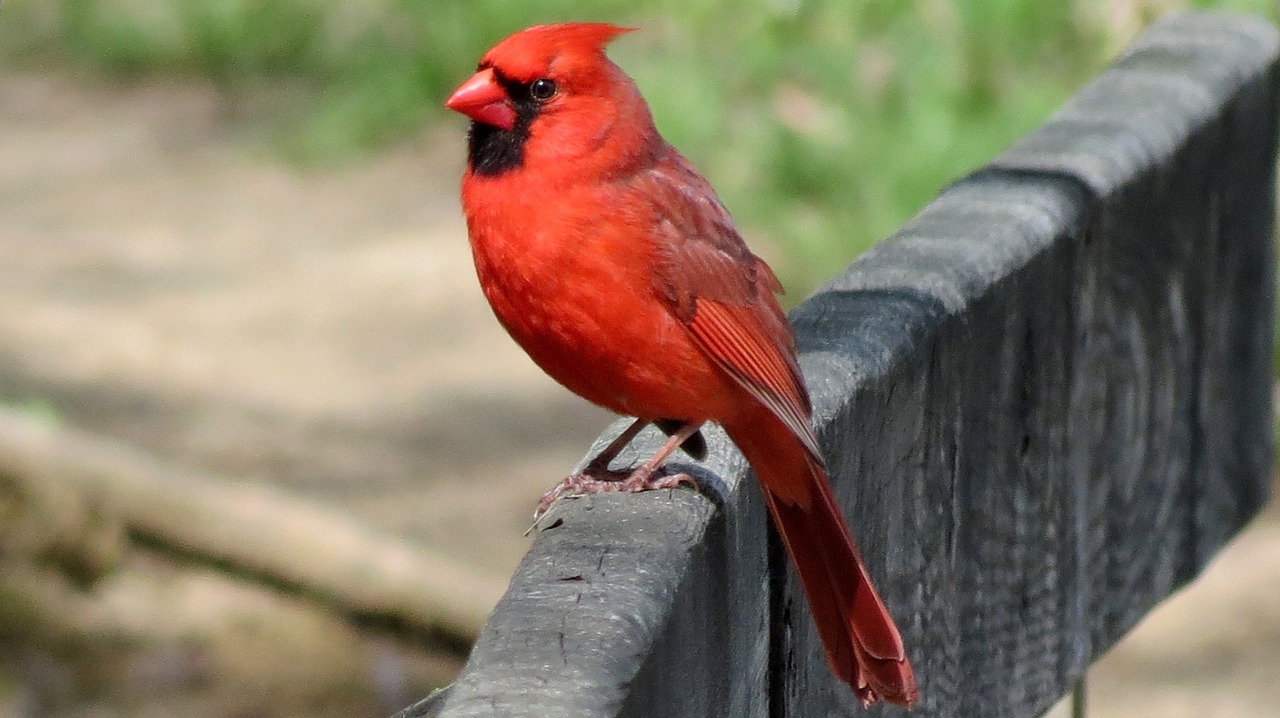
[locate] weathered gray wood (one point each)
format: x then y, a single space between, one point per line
1045 404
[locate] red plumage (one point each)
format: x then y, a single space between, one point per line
614 265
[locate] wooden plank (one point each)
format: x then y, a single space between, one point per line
634 590
1045 403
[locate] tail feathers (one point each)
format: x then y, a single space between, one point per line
861 641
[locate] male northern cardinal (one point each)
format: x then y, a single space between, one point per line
613 263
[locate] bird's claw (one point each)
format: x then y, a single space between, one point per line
596 480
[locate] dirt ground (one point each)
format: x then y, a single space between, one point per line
167 279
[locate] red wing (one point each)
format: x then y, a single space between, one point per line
734 338
712 282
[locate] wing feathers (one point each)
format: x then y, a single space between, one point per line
733 337
712 283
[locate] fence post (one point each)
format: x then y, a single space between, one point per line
1046 402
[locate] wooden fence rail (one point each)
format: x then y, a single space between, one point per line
1046 403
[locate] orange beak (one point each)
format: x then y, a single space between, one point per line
484 100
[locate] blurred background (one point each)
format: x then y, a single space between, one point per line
235 286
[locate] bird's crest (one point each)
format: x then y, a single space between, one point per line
529 53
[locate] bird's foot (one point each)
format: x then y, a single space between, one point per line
597 479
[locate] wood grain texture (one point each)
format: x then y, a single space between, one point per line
1045 403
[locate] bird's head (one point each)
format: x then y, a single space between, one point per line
548 91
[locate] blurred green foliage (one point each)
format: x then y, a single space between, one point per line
824 123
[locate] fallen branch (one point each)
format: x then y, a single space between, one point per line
256 530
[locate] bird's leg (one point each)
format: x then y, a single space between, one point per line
596 471
599 478
600 464
641 479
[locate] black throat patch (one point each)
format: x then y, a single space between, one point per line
493 150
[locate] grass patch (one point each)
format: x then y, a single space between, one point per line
824 123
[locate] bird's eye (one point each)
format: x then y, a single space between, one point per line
542 89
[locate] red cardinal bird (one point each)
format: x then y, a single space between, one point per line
613 263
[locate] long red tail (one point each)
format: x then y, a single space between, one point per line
861 641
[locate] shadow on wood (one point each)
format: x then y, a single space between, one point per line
1045 403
